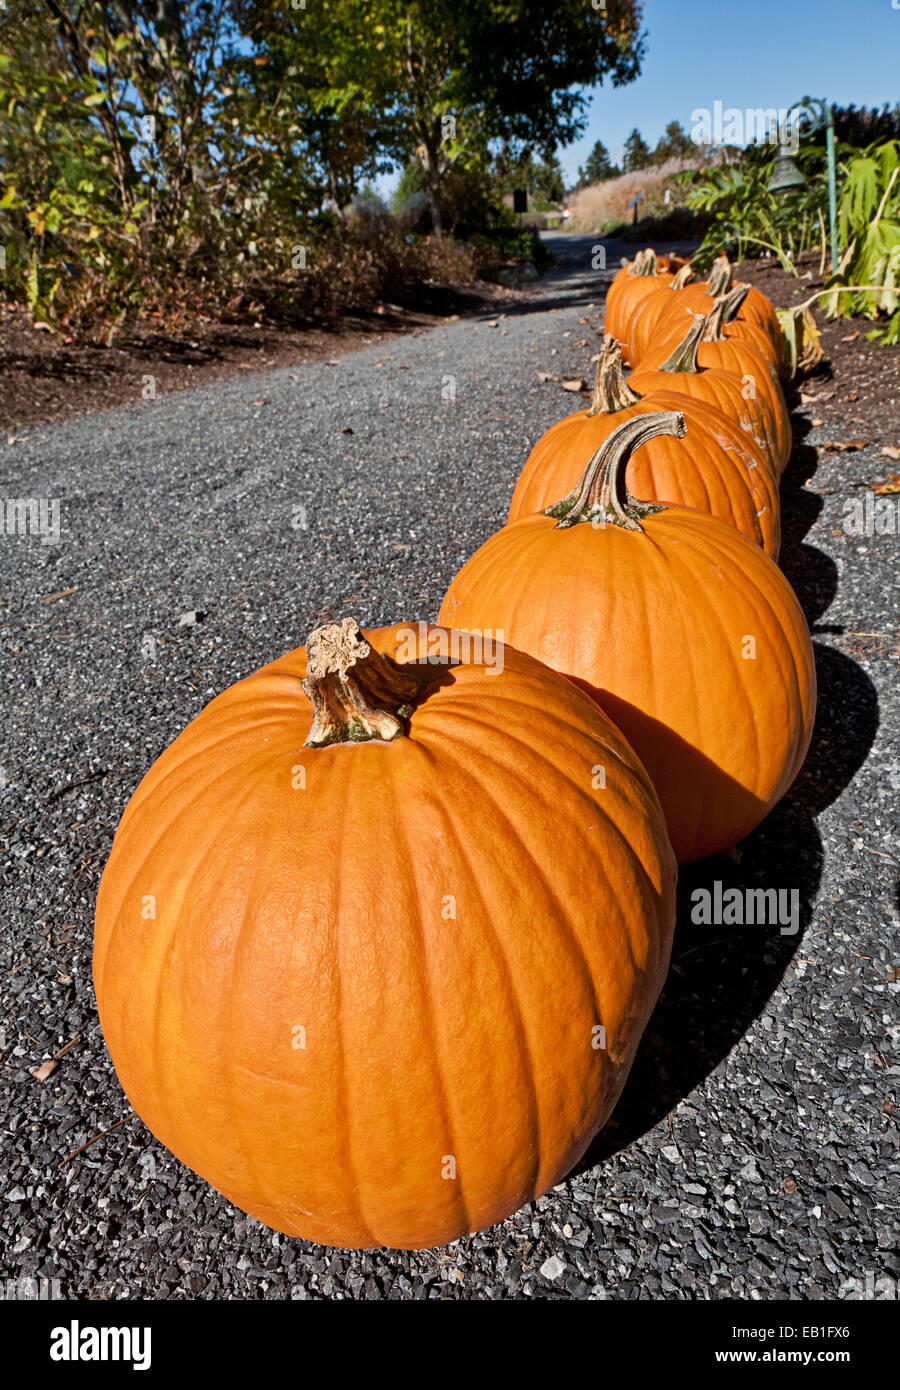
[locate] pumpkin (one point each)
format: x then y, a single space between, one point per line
670 316
717 470
761 415
685 632
629 289
646 317
381 987
767 340
759 379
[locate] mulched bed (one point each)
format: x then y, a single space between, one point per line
44 378
858 382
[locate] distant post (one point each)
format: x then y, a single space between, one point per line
634 204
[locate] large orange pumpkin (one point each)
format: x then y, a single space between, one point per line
377 938
758 378
670 303
646 315
689 637
661 316
685 373
628 291
718 469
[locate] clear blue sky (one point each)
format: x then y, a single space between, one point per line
764 53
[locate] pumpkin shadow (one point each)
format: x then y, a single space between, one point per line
721 977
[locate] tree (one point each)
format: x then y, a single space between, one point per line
597 167
441 80
547 181
637 152
674 143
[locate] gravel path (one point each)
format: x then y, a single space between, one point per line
752 1154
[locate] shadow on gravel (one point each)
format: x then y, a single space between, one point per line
721 977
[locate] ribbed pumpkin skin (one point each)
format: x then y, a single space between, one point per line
623 299
713 386
743 360
738 329
646 328
717 469
654 626
426 1037
673 319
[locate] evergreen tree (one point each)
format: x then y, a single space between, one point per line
597 167
637 152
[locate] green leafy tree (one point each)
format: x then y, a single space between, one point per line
444 80
637 152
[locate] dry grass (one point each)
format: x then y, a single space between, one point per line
601 203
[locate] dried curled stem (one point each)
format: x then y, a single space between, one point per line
357 694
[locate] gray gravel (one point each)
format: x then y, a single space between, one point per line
752 1154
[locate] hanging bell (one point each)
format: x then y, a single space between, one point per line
785 175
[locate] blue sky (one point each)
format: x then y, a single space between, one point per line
764 53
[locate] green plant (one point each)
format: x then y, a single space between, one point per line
745 217
869 232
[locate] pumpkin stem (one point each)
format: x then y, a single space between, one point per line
356 692
602 494
720 277
683 277
722 312
684 357
644 263
733 301
611 390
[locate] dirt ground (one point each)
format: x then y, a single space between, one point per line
45 378
858 381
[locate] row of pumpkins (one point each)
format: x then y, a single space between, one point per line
380 931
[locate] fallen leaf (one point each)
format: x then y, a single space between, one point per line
547 376
345 430
806 398
263 400
844 446
789 1186
853 396
492 323
44 1070
575 384
889 487
891 451
817 422
850 337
